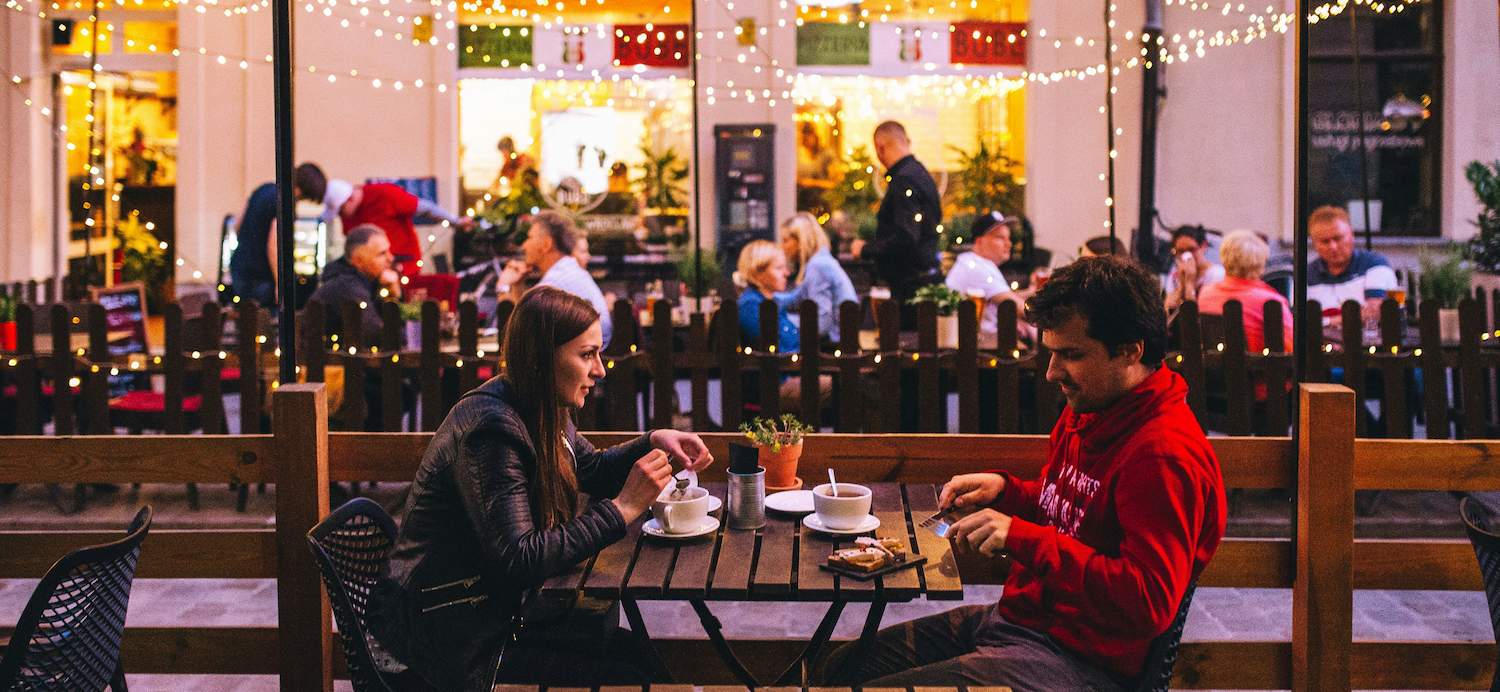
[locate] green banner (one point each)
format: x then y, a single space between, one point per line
494 45
827 43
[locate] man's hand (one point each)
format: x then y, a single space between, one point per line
391 281
971 490
983 532
686 449
857 247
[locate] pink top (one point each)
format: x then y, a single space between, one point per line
1253 295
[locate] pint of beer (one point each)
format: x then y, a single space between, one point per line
977 296
878 296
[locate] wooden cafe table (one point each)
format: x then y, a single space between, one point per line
778 562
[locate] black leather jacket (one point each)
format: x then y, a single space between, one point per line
471 544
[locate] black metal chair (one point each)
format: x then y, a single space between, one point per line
1478 522
352 547
68 636
1156 676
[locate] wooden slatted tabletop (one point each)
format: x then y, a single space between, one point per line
728 688
778 562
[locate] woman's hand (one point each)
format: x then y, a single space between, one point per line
686 449
648 476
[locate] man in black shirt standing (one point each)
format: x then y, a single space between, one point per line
252 266
905 246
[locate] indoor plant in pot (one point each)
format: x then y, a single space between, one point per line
1445 280
688 272
780 443
947 301
1484 248
7 323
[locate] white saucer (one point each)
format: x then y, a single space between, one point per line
714 503
709 525
870 523
791 501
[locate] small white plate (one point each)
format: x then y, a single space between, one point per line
791 501
714 503
709 525
870 523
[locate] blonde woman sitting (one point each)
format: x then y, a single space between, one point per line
819 276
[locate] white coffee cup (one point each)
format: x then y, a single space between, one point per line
845 512
682 515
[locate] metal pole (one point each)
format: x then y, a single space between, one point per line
1109 113
286 196
1303 339
1151 95
1359 109
697 191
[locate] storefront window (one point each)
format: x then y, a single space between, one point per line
1395 97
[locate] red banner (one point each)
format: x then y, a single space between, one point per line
660 45
987 43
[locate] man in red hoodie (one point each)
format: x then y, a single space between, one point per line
1129 509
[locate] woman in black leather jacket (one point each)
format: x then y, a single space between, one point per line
495 508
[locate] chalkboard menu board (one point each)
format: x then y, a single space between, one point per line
125 322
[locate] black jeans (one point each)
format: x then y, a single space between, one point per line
583 647
971 645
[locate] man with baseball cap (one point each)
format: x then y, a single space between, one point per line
391 208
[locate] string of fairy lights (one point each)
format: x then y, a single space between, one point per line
792 85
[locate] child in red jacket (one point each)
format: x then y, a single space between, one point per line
1129 509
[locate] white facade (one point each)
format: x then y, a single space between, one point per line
1225 131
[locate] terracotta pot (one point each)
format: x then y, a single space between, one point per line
947 331
781 467
7 336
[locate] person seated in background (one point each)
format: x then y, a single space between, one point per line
358 278
1102 245
1191 270
252 267
1244 255
550 245
762 268
509 494
1341 272
978 272
820 278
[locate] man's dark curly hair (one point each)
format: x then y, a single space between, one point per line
1120 300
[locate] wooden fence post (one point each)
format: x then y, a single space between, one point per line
1323 591
304 629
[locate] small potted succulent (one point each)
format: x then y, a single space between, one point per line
411 317
692 280
7 323
780 443
948 302
1445 280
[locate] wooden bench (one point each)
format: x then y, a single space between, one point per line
1322 563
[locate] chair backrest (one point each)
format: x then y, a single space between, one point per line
1156 676
1479 522
352 547
68 636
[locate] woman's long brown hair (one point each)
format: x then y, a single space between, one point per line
545 319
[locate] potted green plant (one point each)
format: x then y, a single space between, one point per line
1445 280
7 323
948 302
780 443
1484 248
411 317
688 272
663 184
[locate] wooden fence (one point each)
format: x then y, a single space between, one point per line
1322 563
1000 388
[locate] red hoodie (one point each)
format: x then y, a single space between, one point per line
1129 509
